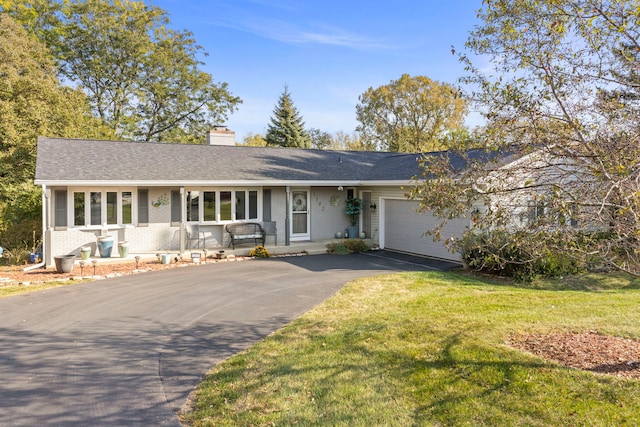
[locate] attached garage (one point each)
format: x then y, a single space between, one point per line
404 230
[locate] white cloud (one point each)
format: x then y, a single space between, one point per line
310 33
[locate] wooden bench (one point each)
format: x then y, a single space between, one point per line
244 231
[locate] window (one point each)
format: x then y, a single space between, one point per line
253 204
573 221
221 206
78 209
193 205
225 206
127 207
240 205
209 207
96 208
112 207
536 211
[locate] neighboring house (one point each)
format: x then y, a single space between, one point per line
169 197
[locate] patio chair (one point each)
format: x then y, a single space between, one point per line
194 233
270 229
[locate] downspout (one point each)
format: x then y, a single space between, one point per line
183 214
287 238
46 198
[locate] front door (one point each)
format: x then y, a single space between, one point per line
300 214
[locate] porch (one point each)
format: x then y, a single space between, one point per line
295 248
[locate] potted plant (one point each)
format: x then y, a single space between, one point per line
353 209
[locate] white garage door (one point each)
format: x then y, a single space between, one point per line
404 228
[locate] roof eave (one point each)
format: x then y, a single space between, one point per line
221 183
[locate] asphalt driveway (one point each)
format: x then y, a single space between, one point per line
128 351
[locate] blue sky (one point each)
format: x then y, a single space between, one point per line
328 52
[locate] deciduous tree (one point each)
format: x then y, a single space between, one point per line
254 140
561 90
32 103
320 139
411 114
141 77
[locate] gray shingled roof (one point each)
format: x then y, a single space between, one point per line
62 160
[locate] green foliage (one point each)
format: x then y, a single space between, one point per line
254 140
338 248
141 77
347 246
517 255
426 349
320 140
352 142
286 128
411 114
16 256
259 252
32 103
356 245
560 98
353 209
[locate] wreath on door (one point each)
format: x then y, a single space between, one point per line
299 202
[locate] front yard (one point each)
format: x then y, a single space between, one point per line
441 349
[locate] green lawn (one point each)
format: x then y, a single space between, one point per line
15 289
430 349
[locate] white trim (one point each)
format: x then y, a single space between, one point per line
226 183
300 236
234 214
381 222
103 207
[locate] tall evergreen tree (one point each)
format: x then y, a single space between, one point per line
287 127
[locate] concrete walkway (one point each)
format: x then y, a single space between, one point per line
128 351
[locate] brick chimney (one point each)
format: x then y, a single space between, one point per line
221 135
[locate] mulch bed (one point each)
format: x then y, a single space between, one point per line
15 274
590 351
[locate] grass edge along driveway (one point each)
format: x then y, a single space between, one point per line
430 349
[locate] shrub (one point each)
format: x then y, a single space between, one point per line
357 245
15 257
349 246
520 255
337 248
259 252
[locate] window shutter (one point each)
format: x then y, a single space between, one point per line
266 205
143 206
60 200
175 206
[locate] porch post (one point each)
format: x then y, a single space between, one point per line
287 237
183 207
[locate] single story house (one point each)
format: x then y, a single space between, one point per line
170 197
